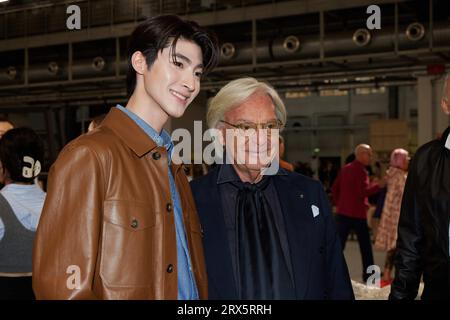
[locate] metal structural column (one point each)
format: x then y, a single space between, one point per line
425 109
441 120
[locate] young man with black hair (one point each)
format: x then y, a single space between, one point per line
119 221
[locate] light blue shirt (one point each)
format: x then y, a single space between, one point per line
26 201
187 288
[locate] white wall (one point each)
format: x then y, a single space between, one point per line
354 110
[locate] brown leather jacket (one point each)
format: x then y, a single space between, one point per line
107 229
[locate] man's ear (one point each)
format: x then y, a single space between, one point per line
138 62
445 105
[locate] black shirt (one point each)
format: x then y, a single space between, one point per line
228 193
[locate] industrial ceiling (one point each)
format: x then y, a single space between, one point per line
296 45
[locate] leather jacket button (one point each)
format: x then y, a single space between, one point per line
321 249
169 207
134 223
156 156
170 268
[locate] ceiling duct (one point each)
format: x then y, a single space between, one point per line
98 64
292 47
415 31
11 73
58 70
279 49
362 37
53 68
227 51
410 37
291 44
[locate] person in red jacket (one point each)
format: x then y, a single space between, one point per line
350 191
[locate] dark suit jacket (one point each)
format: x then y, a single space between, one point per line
319 268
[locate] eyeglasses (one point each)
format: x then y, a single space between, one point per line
247 126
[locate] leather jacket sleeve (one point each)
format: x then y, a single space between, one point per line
408 262
67 238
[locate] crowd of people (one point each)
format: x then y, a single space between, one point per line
121 220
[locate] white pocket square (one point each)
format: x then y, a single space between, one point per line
315 210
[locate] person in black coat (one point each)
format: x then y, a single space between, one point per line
266 236
423 232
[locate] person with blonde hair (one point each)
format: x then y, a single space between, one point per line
266 235
237 91
386 237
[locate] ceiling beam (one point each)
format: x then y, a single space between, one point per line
234 15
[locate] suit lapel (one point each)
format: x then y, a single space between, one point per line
298 219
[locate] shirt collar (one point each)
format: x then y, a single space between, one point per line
446 138
227 174
162 140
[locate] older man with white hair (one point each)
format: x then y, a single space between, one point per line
423 247
268 234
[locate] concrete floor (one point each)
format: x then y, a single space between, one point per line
354 264
353 258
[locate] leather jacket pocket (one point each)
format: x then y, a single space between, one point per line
127 257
